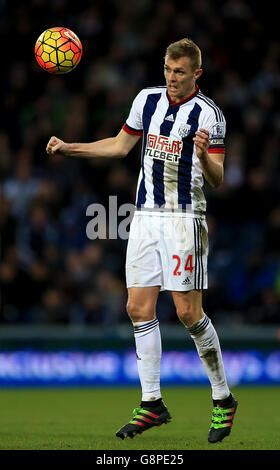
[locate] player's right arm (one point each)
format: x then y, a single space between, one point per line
117 147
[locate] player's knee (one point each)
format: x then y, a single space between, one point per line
138 312
189 314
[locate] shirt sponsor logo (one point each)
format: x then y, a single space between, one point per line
161 148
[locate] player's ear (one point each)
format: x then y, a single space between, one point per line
198 73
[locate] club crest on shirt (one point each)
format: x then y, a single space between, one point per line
184 130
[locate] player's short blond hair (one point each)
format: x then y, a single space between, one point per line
185 48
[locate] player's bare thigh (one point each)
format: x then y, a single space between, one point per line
188 306
141 304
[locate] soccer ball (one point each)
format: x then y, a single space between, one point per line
58 50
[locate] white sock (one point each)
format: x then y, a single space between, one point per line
148 350
209 350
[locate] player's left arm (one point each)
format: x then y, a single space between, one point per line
212 163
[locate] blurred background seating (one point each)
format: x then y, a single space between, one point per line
50 272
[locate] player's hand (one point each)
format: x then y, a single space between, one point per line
56 145
201 142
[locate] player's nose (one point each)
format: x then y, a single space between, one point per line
172 77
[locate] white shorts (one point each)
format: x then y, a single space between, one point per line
167 250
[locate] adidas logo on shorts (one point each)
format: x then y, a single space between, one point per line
186 282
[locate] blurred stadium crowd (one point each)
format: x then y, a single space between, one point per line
50 272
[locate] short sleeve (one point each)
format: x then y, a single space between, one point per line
134 122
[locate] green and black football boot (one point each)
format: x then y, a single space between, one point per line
144 418
222 418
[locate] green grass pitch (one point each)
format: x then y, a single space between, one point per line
87 419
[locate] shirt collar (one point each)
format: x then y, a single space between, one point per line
188 98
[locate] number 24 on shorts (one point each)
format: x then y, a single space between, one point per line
188 265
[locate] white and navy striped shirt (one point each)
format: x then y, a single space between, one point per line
171 174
